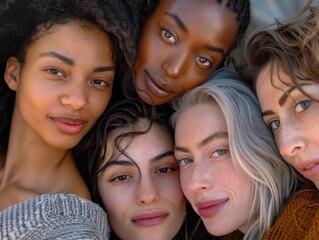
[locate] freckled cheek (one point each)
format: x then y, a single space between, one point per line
185 181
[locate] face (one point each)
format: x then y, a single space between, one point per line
148 204
217 190
293 118
180 48
64 84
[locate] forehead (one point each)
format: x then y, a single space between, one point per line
188 10
272 77
206 21
200 120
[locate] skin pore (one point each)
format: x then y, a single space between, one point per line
143 199
62 87
179 50
218 190
293 118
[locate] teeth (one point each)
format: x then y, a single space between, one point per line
310 166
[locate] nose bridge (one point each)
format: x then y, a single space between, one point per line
202 176
291 141
176 63
146 192
75 94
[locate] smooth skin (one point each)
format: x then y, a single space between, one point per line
62 88
143 201
293 118
181 44
218 190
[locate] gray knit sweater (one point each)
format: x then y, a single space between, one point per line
56 216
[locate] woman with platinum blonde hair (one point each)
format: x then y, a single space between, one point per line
230 169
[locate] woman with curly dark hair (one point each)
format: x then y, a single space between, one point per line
60 60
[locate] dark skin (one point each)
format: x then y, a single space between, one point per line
182 43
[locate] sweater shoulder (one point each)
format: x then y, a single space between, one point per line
64 216
299 219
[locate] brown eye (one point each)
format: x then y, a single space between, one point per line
168 36
203 61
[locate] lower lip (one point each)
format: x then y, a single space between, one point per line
154 88
71 129
150 222
210 211
312 172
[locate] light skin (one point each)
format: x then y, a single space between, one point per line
293 118
145 204
62 88
219 191
180 48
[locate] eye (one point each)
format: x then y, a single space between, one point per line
121 178
54 71
219 152
303 105
100 82
184 161
203 61
168 36
274 125
165 170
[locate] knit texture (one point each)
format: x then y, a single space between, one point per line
299 219
57 216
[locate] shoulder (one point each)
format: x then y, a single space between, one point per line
299 219
64 216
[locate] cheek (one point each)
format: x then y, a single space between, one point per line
99 103
185 179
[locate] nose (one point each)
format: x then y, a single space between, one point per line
290 142
75 96
201 178
175 65
147 192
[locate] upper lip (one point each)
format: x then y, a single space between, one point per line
149 214
71 120
209 203
161 83
304 165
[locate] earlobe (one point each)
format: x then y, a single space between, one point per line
12 73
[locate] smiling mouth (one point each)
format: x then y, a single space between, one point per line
310 166
158 88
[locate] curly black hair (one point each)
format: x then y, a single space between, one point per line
20 21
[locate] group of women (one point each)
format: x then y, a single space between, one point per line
112 133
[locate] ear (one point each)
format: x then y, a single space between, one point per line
12 73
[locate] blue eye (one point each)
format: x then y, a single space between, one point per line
184 161
219 152
303 105
274 124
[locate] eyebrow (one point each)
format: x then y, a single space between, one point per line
204 141
216 49
131 164
161 156
284 97
178 21
70 61
61 57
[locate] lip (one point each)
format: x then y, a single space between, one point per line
209 208
308 168
69 125
158 87
149 219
